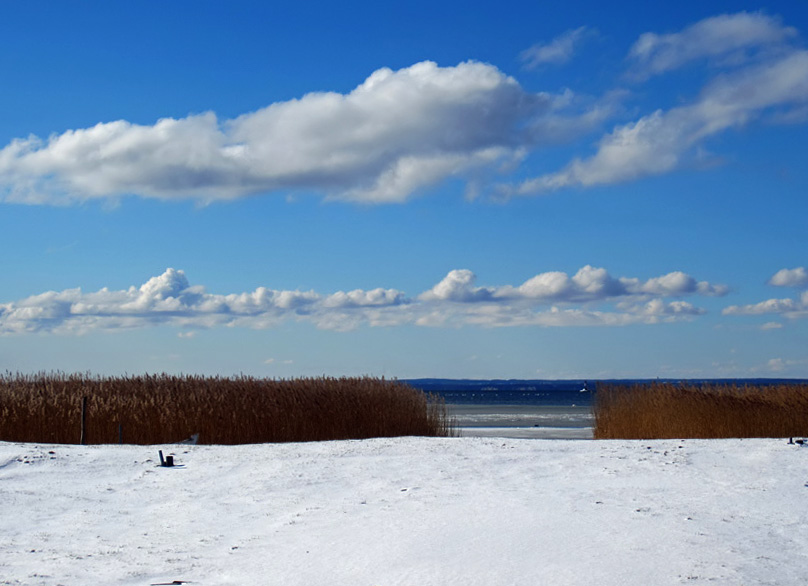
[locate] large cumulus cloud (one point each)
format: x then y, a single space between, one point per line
396 132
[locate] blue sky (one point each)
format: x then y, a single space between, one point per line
450 190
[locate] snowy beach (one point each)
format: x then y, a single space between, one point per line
406 511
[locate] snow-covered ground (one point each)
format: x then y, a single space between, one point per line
407 511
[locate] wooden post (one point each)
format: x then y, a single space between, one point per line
83 420
120 433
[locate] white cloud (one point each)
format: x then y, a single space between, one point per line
596 284
458 285
359 298
397 132
589 297
401 132
679 283
556 52
517 315
727 36
784 306
662 141
797 277
782 366
587 285
771 325
790 308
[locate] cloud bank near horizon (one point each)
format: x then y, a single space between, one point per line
590 297
401 132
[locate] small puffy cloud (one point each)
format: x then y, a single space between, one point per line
785 366
771 325
556 52
797 277
359 298
596 284
724 36
589 297
781 365
790 308
679 283
461 302
784 306
171 283
458 285
676 282
551 285
657 310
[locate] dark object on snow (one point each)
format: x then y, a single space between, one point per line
167 462
799 442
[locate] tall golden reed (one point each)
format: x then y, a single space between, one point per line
152 409
667 410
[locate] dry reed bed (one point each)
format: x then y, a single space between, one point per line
666 410
152 409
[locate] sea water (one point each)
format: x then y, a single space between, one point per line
553 409
517 409
524 421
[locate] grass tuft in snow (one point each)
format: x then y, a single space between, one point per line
153 409
667 410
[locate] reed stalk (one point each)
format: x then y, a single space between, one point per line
667 410
154 409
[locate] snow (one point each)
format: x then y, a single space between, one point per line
407 511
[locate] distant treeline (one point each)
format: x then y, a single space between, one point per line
153 409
